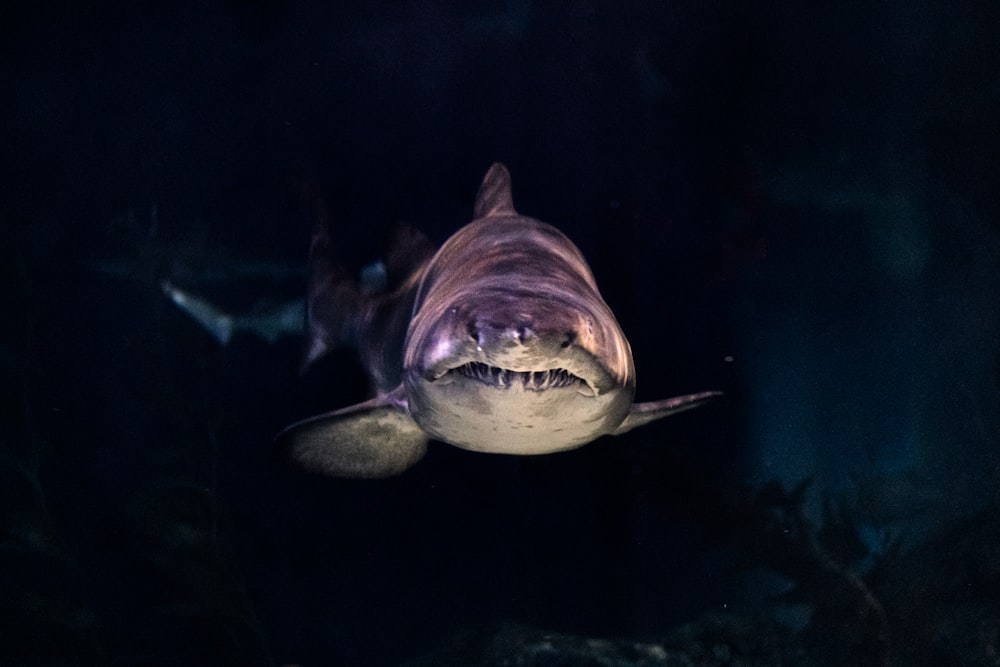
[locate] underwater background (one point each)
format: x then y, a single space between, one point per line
797 203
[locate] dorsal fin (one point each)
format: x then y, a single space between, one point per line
494 196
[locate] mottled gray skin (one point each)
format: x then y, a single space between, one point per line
499 342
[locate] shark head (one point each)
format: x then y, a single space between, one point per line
518 352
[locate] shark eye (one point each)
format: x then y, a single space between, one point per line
568 340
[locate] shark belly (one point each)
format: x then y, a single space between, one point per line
524 421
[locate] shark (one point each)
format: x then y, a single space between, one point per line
497 342
271 322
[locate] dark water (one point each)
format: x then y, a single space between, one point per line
795 204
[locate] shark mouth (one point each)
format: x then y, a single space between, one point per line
530 380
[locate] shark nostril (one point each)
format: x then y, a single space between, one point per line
473 331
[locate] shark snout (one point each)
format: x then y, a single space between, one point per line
523 340
523 333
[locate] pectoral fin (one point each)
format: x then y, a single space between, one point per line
643 413
370 440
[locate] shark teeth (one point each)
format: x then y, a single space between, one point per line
530 380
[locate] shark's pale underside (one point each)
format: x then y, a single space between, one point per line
498 342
